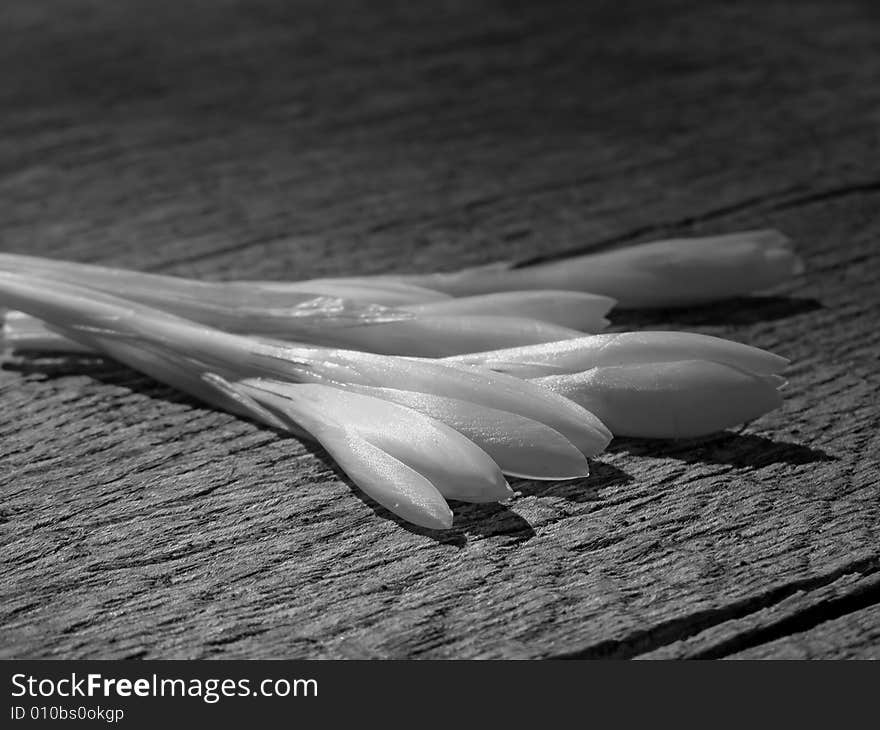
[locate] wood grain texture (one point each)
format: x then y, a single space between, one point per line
852 636
293 139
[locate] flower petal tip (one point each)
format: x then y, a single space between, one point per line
496 491
783 262
443 520
435 519
432 515
777 381
603 437
771 238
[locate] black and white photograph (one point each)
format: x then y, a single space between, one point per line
456 330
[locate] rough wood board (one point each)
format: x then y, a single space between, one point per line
285 140
852 636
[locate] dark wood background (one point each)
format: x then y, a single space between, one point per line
294 139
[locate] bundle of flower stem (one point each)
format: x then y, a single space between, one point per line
386 317
437 315
520 389
408 431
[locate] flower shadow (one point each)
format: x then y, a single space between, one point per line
484 520
588 489
61 365
736 311
735 449
102 369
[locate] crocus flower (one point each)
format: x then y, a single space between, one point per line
677 399
405 460
522 446
410 475
427 329
671 273
526 448
454 464
651 384
82 314
623 348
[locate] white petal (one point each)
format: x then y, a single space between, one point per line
456 466
684 272
669 400
387 480
624 348
521 446
483 387
677 272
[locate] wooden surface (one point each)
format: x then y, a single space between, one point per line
295 139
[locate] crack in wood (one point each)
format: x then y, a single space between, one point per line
861 597
668 632
835 193
763 200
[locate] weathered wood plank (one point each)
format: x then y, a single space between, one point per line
852 636
284 140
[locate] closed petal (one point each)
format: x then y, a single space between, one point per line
521 446
379 473
624 348
685 272
477 385
387 480
456 466
669 400
676 272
